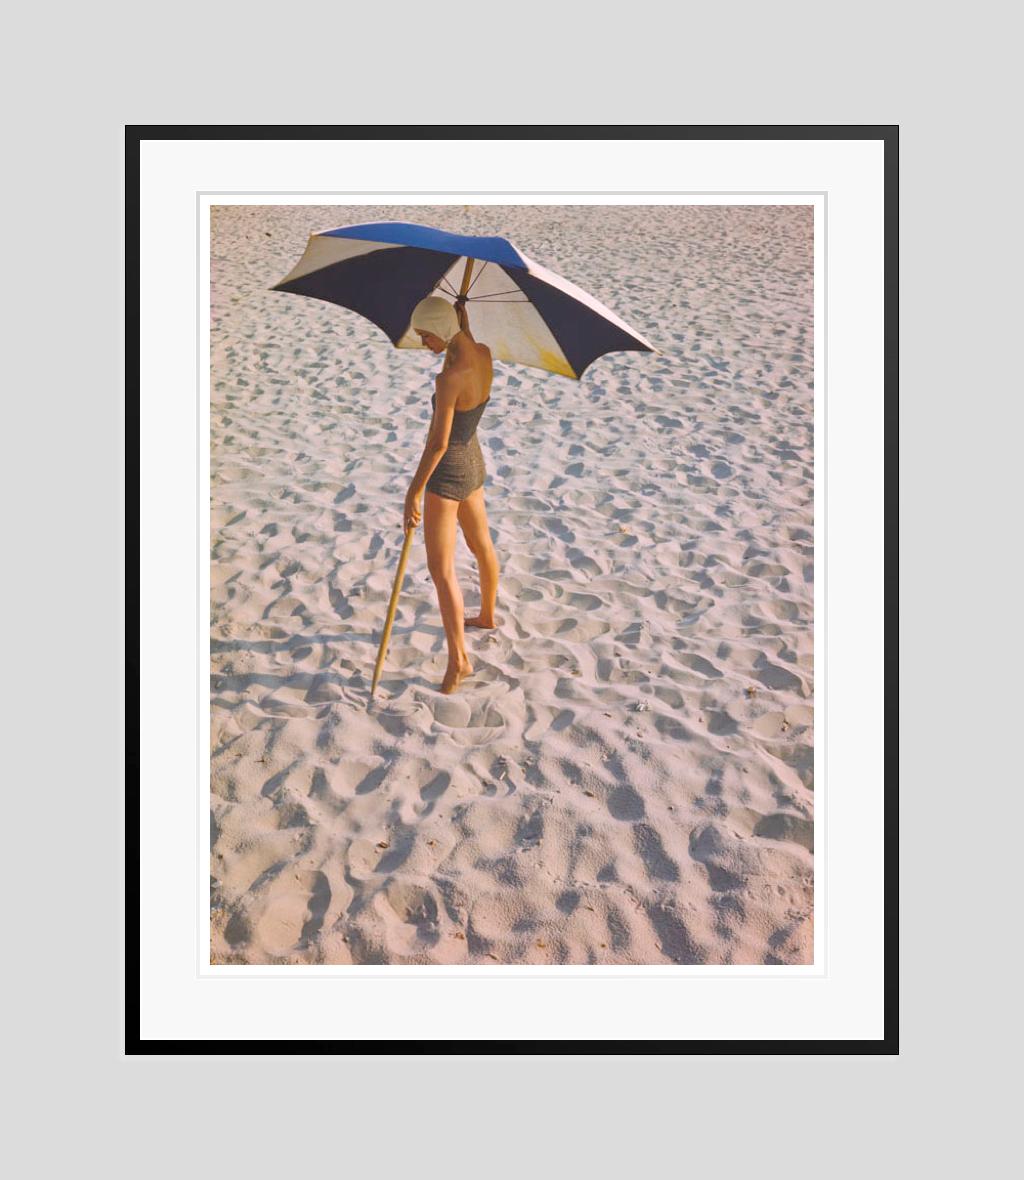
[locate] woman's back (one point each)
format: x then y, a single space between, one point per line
464 422
473 361
473 364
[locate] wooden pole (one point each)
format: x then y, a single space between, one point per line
466 276
382 651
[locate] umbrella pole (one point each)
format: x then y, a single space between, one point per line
392 607
382 651
466 276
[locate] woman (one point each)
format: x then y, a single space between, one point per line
451 473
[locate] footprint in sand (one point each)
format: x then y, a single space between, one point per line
700 665
406 914
292 912
579 560
676 940
651 851
772 676
783 826
626 805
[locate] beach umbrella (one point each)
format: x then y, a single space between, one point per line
525 313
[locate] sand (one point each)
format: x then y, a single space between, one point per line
627 776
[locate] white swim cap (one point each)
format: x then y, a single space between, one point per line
436 315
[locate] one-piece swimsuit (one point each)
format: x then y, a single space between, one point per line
461 469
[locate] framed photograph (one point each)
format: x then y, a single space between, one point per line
511 589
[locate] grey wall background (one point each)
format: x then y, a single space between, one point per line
947 82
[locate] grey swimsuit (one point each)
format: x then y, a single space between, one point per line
461 469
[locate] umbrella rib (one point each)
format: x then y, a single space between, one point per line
478 274
491 294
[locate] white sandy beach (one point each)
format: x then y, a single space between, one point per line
627 776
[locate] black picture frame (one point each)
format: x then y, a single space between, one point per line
135 135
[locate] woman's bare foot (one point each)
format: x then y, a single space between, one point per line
455 675
479 621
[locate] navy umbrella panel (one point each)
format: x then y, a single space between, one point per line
525 313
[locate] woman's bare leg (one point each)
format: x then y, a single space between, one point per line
439 517
473 521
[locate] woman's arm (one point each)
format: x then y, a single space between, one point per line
430 459
462 315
